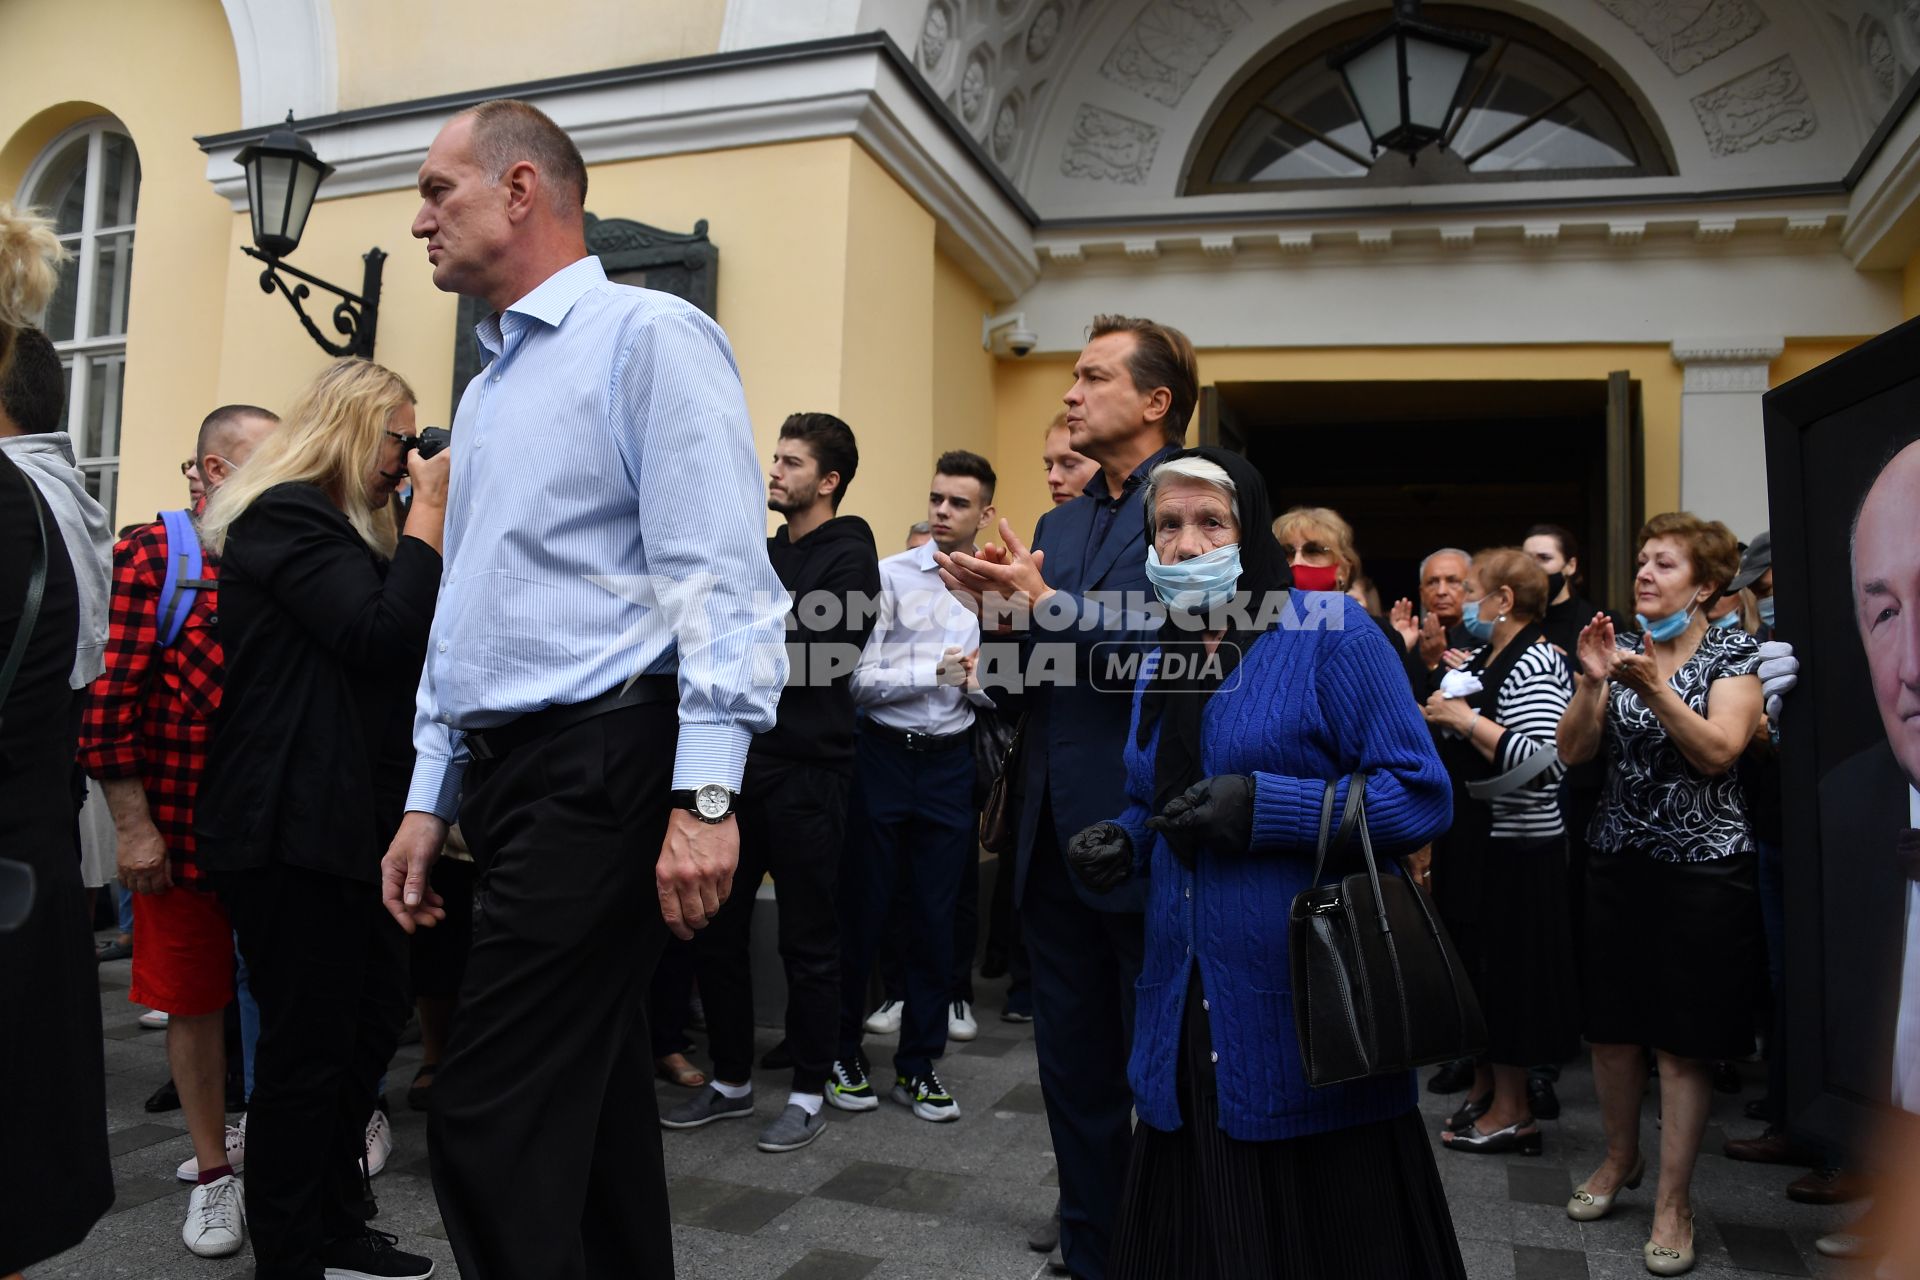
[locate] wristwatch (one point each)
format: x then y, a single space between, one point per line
711 803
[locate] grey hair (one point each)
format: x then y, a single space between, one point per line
1193 469
1444 551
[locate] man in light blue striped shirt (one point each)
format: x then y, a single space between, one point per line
608 639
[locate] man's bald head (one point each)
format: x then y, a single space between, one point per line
227 436
506 132
1885 556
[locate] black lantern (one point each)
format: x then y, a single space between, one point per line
1406 78
283 177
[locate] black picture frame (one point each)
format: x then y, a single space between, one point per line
685 264
1829 432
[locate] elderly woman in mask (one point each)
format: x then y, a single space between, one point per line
1262 698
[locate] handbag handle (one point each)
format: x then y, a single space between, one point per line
1352 818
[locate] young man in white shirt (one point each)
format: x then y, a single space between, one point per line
912 817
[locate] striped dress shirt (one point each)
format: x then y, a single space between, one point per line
603 522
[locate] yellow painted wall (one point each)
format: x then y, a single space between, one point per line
1028 395
1910 287
1804 354
963 371
398 50
181 241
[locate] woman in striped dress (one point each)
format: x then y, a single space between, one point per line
1504 875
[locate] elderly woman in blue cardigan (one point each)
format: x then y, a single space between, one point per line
1239 1167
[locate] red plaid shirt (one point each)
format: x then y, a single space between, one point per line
147 715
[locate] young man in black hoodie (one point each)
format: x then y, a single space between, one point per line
793 801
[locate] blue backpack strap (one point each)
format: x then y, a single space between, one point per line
183 565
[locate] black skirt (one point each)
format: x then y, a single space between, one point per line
1361 1204
1675 952
1518 952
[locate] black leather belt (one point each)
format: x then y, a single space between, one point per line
908 740
496 743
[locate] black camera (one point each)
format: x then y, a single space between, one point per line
428 442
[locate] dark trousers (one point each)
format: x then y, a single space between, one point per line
966 934
670 998
911 821
1004 931
793 823
328 968
1085 964
545 1134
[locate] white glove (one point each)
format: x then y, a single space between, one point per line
1779 673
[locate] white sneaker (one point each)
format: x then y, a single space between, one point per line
885 1020
216 1224
153 1020
189 1170
960 1023
379 1142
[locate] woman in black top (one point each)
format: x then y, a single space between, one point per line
324 616
1673 916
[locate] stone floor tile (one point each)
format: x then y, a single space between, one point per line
722 1206
1534 1183
1023 1097
830 1264
136 1136
1766 1249
1530 1263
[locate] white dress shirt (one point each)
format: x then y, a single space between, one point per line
604 521
1906 1035
896 681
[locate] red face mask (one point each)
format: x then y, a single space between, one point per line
1316 577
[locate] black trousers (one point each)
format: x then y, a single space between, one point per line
544 1133
1085 964
670 999
328 968
793 822
911 821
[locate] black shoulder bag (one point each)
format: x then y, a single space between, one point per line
16 878
1377 986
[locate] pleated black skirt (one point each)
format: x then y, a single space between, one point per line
1676 954
1518 952
1359 1204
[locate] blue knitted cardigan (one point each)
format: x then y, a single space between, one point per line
1305 707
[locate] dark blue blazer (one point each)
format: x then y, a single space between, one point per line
1075 733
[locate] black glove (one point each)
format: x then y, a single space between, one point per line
1101 856
1215 813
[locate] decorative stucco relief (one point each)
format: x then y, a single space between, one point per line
1766 105
1882 39
991 61
1169 44
1686 33
1108 147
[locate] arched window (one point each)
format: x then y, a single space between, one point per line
1533 108
88 182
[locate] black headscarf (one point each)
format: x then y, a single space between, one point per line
1175 700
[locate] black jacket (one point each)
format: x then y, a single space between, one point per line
816 715
313 743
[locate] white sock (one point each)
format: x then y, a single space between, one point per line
807 1102
733 1090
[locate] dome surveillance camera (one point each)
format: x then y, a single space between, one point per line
1007 334
1022 341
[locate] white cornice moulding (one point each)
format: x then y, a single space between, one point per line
1718 366
858 93
1883 218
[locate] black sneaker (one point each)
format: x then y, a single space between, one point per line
373 1256
848 1087
1452 1078
1542 1099
926 1095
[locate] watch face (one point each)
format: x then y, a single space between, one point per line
712 801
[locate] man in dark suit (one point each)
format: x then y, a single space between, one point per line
1134 389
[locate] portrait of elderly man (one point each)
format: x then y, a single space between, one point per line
1870 804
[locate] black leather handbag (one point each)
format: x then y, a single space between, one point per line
1377 986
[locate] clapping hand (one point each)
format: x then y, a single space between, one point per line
1214 812
999 580
1404 623
1433 641
1101 856
1596 648
1637 672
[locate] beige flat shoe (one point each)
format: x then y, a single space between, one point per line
1588 1207
1663 1261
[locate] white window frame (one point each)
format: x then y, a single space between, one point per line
80 353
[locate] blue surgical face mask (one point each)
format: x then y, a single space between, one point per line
1766 612
1481 628
1667 628
1727 621
1197 585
